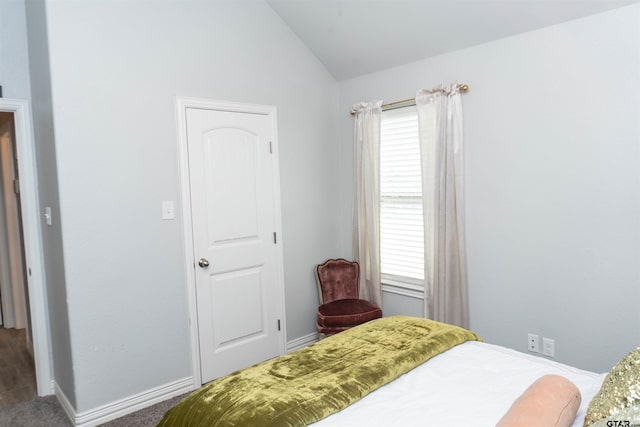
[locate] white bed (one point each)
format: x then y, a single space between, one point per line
472 381
469 384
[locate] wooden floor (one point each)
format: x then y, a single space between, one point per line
17 371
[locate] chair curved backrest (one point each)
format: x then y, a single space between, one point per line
337 279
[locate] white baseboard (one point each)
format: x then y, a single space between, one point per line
147 398
64 402
51 390
301 342
125 406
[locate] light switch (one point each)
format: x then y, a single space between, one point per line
168 211
47 215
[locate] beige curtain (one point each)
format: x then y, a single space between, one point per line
366 209
441 151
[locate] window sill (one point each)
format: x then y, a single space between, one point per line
402 288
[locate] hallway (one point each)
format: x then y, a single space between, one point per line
17 372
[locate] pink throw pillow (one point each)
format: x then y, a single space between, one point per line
551 401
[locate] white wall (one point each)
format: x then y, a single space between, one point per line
552 129
115 70
22 45
14 64
42 110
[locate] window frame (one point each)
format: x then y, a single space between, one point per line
403 285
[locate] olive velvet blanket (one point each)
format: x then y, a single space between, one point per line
307 385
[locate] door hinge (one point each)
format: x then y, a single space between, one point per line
275 239
271 147
278 324
16 186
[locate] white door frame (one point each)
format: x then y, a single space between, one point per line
182 104
33 247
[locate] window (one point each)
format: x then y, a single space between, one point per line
401 222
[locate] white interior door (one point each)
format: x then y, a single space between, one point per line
234 216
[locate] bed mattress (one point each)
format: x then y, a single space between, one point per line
473 383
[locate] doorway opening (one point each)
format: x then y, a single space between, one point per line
23 301
17 375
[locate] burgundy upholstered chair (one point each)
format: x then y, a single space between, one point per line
340 307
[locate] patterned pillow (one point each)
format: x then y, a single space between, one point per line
618 401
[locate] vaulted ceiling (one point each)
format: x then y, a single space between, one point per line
356 37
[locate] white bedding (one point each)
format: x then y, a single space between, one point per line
472 384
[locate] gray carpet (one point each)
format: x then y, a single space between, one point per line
47 412
17 372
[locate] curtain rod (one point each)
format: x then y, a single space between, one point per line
397 104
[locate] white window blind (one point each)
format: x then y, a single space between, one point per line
401 222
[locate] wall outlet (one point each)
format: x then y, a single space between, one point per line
548 347
533 343
168 209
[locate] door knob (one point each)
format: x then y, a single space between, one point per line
203 262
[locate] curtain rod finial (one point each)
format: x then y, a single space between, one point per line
464 88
